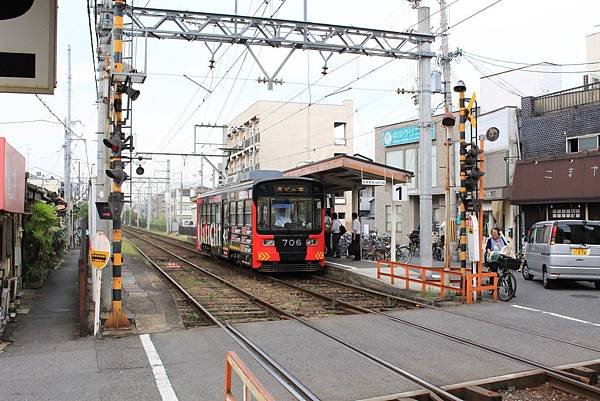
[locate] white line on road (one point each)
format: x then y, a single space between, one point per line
556 315
160 374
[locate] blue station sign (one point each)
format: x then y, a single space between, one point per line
403 135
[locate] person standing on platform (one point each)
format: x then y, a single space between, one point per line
328 222
336 235
355 236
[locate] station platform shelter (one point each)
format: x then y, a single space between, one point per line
342 173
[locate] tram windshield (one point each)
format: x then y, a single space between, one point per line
289 214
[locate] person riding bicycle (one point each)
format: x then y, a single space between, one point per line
493 247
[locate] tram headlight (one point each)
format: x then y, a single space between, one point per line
268 242
311 242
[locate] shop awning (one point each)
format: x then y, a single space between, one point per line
345 173
574 177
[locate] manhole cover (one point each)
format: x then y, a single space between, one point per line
585 296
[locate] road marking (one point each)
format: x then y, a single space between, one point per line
160 374
342 265
556 315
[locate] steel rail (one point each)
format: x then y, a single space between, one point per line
444 310
286 379
432 388
577 384
414 302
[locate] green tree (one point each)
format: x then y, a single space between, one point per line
44 242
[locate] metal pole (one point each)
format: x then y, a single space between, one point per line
68 153
450 167
168 199
480 204
393 255
463 189
425 124
149 207
117 318
447 204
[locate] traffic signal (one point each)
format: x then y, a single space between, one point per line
473 176
117 174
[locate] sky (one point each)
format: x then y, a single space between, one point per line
527 31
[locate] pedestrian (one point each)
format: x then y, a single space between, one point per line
355 236
328 222
336 235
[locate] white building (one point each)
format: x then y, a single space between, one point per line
592 46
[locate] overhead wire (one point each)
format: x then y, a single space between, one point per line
525 63
92 47
525 68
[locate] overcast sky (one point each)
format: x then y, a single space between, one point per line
169 105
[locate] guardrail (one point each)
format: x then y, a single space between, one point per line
479 286
466 285
252 389
564 99
444 283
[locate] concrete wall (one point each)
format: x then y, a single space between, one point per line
592 46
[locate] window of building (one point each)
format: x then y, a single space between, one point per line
410 164
388 218
581 143
341 215
339 134
340 198
395 158
566 213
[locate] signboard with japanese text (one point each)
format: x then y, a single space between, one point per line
28 46
403 135
372 182
12 179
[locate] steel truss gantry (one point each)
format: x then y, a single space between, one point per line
248 31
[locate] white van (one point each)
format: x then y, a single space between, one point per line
563 250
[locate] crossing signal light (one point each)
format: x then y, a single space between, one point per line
471 157
117 174
115 143
127 89
473 176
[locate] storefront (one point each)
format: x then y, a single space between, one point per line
12 206
557 188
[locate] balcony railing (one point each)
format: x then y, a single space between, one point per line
565 99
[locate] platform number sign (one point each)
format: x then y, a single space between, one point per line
99 250
28 46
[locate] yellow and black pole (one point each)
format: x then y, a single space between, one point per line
117 318
461 89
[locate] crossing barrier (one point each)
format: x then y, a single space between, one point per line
478 279
252 389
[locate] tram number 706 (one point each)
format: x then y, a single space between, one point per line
292 242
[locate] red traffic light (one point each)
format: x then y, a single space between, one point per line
117 174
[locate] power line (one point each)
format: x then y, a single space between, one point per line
524 63
57 117
92 46
28 121
524 68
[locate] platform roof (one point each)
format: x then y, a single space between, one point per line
345 173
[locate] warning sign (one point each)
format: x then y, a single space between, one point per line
99 250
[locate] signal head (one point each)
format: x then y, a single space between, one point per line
139 170
117 174
460 87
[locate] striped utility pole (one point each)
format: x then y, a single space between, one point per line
461 89
117 318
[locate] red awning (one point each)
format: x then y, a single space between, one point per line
574 177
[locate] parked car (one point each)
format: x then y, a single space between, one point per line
563 250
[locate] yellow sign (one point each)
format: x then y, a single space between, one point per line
99 250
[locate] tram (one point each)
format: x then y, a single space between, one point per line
269 224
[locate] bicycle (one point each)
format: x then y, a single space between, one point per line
507 283
405 253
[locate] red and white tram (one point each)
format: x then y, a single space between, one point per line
272 224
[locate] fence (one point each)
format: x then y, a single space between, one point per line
446 280
573 97
444 283
252 389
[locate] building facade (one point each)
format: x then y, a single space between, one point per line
272 135
560 138
397 145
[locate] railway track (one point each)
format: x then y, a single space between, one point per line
338 292
292 384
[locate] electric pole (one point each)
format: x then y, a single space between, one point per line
168 199
68 153
425 126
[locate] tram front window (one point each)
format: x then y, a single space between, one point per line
284 214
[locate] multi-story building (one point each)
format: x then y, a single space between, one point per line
397 145
180 207
272 135
559 177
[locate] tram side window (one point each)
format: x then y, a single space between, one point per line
217 213
262 217
248 213
240 213
318 211
226 213
203 213
232 213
